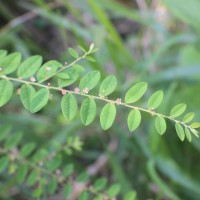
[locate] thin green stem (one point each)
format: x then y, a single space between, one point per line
151 112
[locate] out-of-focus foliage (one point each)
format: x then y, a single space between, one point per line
153 41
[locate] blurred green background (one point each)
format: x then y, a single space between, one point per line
157 41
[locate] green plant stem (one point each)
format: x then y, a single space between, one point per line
151 112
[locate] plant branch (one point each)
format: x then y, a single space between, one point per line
151 112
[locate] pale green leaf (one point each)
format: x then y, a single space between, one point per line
107 116
160 124
29 67
155 100
188 117
73 52
63 75
26 94
32 178
108 85
180 131
195 125
22 173
73 76
132 195
90 80
88 111
69 106
10 63
134 119
178 110
48 70
136 92
114 190
188 134
100 184
4 162
67 190
39 100
27 149
13 140
6 91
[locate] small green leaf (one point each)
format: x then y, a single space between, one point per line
114 190
88 111
84 195
100 184
4 131
107 116
73 76
69 106
90 80
22 173
68 170
180 131
108 85
130 196
73 53
195 125
91 59
188 134
48 70
10 63
134 119
27 149
63 75
160 125
67 190
178 110
155 100
29 67
52 185
39 100
6 91
188 117
26 94
32 178
136 92
13 140
4 162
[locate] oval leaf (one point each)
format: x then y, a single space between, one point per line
107 116
160 124
29 67
69 106
178 110
180 131
88 111
26 94
136 92
10 63
73 53
90 80
155 100
188 117
195 125
134 119
39 100
48 70
108 85
188 134
6 91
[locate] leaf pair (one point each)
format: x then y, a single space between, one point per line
34 100
69 108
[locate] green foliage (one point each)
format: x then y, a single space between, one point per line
34 100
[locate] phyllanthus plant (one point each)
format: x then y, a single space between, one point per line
32 74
